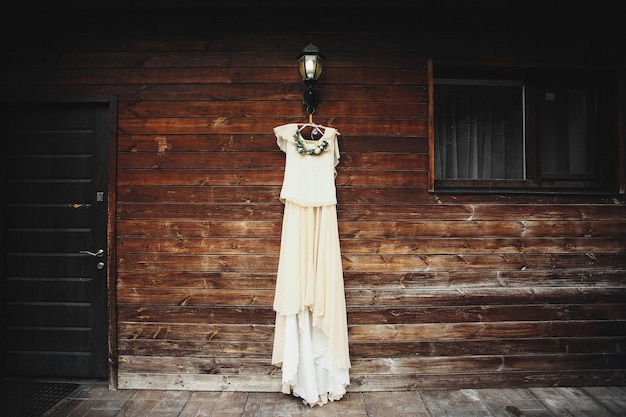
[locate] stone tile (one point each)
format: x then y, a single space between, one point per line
163 413
288 404
260 404
383 404
262 397
76 408
461 403
96 400
101 413
148 395
63 408
205 396
611 398
204 409
496 401
230 402
102 391
137 408
197 408
110 404
351 403
572 402
355 413
172 401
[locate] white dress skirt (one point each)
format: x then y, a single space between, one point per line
311 336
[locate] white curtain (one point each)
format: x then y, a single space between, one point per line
478 132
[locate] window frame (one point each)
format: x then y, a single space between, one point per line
608 139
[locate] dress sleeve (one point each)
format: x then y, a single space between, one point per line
336 150
282 136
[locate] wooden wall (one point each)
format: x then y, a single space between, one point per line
442 290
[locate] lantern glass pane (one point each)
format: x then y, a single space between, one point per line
318 67
310 66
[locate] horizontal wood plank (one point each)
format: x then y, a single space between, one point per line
387 280
369 263
253 177
374 367
235 243
609 217
183 109
454 332
368 383
380 297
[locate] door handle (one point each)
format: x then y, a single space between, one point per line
98 254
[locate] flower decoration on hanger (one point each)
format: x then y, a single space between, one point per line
300 146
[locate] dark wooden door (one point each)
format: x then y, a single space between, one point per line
55 214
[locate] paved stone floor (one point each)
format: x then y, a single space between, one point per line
94 399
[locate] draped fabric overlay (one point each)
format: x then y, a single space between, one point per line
311 336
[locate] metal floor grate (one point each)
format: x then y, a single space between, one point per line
25 398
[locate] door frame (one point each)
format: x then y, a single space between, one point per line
111 264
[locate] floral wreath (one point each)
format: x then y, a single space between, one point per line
306 151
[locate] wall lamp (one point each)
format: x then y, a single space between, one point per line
310 63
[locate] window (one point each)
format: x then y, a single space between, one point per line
523 131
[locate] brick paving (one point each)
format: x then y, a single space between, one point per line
94 399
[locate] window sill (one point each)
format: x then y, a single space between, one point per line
521 187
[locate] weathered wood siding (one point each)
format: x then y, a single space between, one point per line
199 220
442 290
